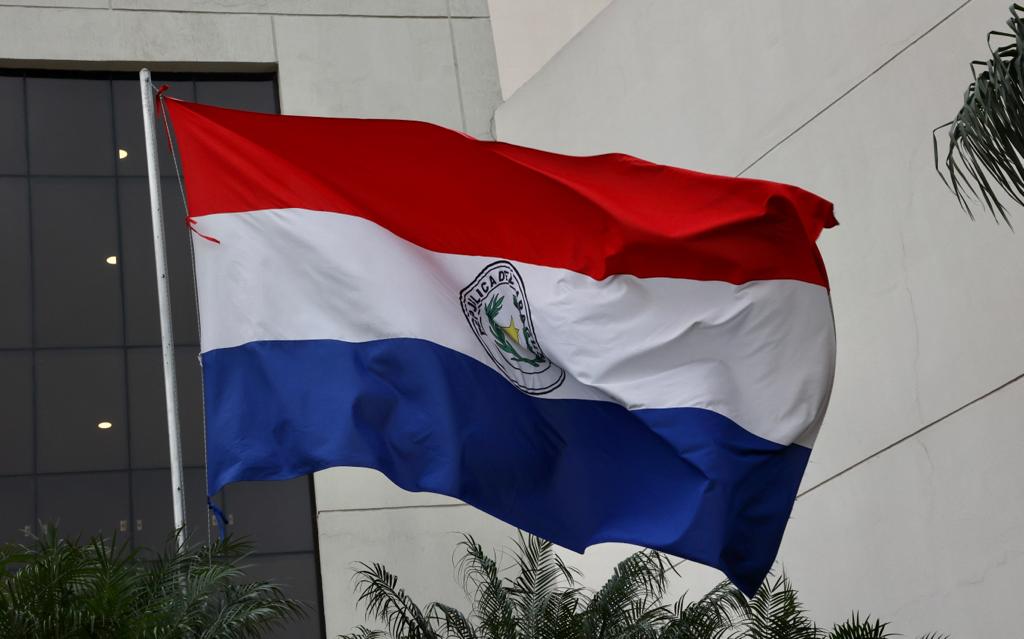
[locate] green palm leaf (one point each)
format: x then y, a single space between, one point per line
986 138
451 622
774 612
362 632
384 600
65 588
537 597
856 628
493 606
631 597
710 617
537 593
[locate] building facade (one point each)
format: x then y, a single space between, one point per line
911 508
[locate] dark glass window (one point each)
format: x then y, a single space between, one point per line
253 95
128 128
80 411
70 126
84 441
148 408
12 126
16 413
74 234
249 502
83 504
142 314
152 510
15 283
17 494
291 570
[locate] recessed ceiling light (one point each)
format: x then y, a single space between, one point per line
112 260
121 154
104 425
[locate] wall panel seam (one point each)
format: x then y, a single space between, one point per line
854 87
380 508
455 64
913 434
388 16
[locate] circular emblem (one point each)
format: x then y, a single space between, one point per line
496 307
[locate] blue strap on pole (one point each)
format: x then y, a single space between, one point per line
222 521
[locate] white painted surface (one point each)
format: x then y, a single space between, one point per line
528 33
706 85
927 532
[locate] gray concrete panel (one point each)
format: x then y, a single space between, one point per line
707 86
478 74
368 67
396 8
33 34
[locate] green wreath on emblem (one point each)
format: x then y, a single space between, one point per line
491 309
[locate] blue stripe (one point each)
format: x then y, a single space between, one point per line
687 481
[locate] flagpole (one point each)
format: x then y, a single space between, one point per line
164 301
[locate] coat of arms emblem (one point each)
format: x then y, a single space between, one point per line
496 307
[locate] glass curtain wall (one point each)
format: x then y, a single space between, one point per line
84 439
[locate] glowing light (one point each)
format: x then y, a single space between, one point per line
112 260
121 154
104 425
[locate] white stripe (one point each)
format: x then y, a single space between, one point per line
761 353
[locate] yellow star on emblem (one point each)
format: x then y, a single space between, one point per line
511 330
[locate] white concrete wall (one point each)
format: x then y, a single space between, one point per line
430 60
527 33
912 508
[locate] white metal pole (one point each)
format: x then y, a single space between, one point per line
163 291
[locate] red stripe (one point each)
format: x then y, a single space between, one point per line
450 193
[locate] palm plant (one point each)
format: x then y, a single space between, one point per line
986 138
539 597
59 588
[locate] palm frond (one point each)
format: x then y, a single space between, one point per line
102 588
710 617
248 610
493 606
631 596
379 593
537 593
362 632
536 596
774 612
451 622
561 619
985 155
857 628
